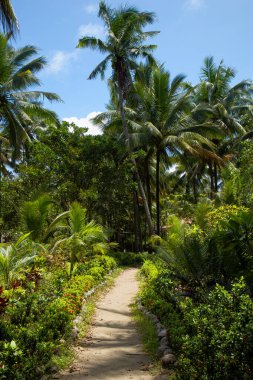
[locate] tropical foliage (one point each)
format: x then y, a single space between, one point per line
169 179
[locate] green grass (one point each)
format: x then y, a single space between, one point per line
64 360
147 331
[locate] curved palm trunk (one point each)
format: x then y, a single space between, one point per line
136 172
215 169
148 186
212 189
158 217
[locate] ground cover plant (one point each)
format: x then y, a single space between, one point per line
43 287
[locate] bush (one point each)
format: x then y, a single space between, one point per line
129 258
36 318
97 273
218 343
73 292
149 270
223 214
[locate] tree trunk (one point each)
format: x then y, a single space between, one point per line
136 172
158 224
195 192
215 178
148 186
139 226
136 230
212 190
1 191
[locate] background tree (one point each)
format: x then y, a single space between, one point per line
124 46
8 18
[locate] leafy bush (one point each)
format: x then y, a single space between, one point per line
218 343
129 258
35 318
149 270
97 273
74 290
223 214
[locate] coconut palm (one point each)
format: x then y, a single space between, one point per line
8 18
21 110
124 45
79 237
12 261
161 115
34 215
219 106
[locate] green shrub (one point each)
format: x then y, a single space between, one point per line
36 318
97 273
129 258
149 270
74 291
57 320
218 343
223 214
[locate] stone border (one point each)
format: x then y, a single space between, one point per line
164 350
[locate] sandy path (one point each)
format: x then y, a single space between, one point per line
114 350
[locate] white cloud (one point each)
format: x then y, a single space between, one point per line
60 61
91 8
85 122
93 30
194 4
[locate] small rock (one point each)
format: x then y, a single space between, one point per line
168 351
168 360
154 318
54 369
164 341
158 326
162 333
75 332
161 349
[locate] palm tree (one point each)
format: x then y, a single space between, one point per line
34 215
219 106
124 45
8 17
21 110
12 261
162 107
79 237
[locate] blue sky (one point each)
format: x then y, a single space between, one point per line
190 30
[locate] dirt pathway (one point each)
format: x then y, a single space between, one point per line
114 350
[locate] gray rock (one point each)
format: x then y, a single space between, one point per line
75 332
54 369
154 318
140 307
158 326
162 333
168 351
164 341
161 349
77 320
168 360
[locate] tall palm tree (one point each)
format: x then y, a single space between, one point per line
162 107
218 105
8 18
124 45
21 110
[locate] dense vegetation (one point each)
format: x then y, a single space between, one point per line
170 175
